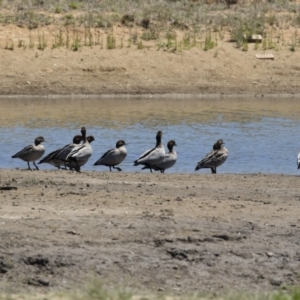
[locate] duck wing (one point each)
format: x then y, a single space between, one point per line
65 151
111 151
76 151
213 159
81 152
145 154
220 157
25 150
49 157
168 161
102 159
208 161
153 156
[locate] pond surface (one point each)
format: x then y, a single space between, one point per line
260 134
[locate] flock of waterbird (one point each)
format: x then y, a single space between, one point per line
76 154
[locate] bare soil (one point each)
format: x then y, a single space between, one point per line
175 233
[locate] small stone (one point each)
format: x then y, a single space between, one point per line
270 254
276 281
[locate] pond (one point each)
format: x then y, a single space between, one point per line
260 134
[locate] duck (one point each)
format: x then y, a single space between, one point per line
81 153
113 157
57 158
215 158
152 156
31 153
72 164
169 159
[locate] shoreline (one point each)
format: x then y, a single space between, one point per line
142 172
172 96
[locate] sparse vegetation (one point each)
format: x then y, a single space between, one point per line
209 42
76 44
73 5
170 25
179 25
110 41
42 43
96 290
9 45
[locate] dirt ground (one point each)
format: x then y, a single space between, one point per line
129 70
175 233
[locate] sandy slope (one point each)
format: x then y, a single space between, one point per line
152 232
129 70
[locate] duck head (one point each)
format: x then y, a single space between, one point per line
90 138
120 143
171 144
218 145
39 140
77 139
158 137
83 133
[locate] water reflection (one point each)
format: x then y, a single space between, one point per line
259 133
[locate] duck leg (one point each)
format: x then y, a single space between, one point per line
214 170
77 167
28 165
119 169
35 165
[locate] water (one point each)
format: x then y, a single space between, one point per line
260 134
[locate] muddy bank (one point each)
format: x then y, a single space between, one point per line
151 232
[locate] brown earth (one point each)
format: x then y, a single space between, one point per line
129 70
173 233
